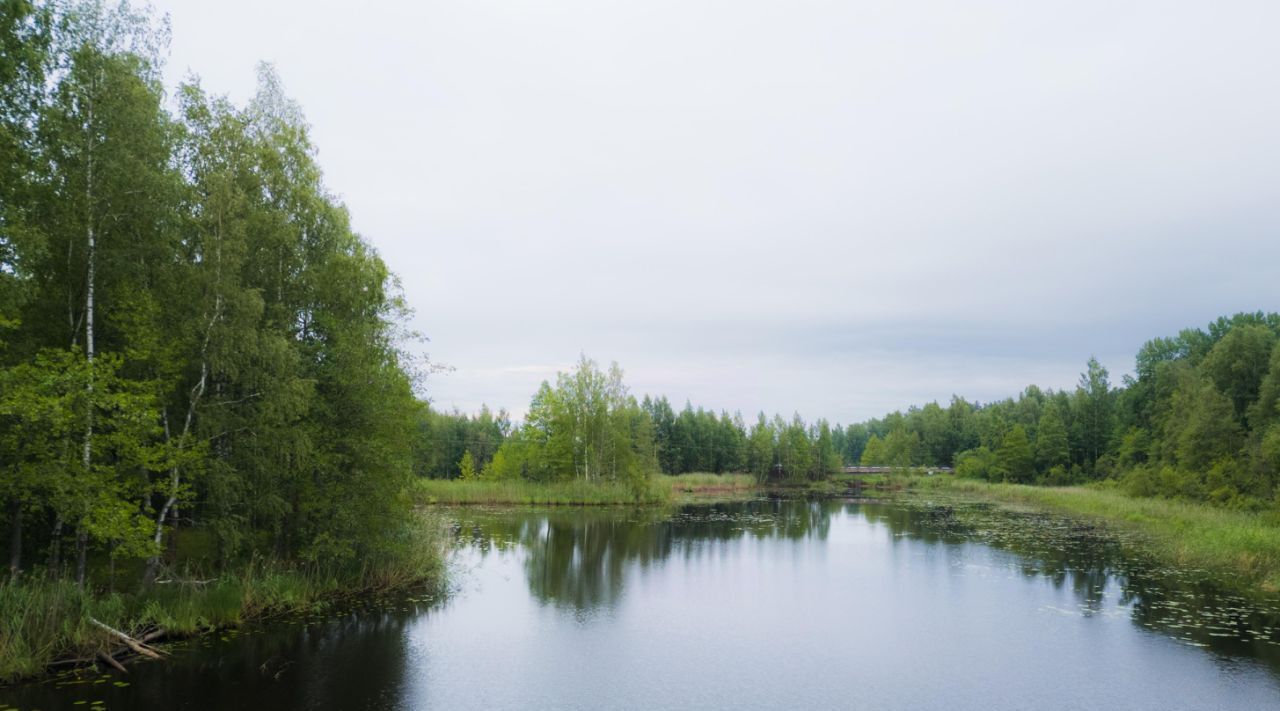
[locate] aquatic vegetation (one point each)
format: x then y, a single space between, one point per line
1197 606
1242 544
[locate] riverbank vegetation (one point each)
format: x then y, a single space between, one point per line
47 621
553 493
1199 421
193 344
1244 545
659 489
587 427
587 440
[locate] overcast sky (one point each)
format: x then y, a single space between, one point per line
836 208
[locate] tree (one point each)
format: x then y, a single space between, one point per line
1093 405
873 454
467 467
761 455
1203 428
856 437
1238 363
978 463
107 191
1014 456
826 461
1266 409
794 452
1052 446
25 54
902 448
587 427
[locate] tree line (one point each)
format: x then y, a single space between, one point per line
587 425
191 334
1199 419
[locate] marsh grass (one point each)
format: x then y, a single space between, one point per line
707 487
1241 544
706 480
566 493
44 620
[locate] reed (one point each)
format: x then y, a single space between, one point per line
1241 544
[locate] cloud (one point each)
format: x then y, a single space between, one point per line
837 209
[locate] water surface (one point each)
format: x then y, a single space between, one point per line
770 604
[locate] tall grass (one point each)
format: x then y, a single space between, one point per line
43 620
1245 545
707 485
563 493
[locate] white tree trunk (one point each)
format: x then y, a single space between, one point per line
91 282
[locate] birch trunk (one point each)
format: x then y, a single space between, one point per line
197 392
86 456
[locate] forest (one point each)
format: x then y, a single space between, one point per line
1199 419
191 334
589 426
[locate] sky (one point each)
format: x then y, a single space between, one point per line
839 209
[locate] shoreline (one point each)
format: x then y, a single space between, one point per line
659 490
48 625
1241 546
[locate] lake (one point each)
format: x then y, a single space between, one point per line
770 604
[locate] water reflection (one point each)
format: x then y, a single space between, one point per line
1190 605
579 558
767 604
347 658
582 559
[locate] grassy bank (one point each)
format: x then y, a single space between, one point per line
1244 545
46 621
516 491
659 489
710 487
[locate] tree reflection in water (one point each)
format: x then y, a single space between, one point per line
581 558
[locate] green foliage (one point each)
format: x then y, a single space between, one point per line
44 619
1094 414
1014 458
588 427
696 440
978 463
1196 422
1053 449
467 467
1242 544
566 492
873 453
499 468
443 437
1238 363
188 320
902 447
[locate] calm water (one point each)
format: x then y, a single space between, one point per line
763 605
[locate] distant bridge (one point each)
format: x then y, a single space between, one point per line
864 471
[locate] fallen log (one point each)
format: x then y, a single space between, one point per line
111 662
71 662
129 642
153 635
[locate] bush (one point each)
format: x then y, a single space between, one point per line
980 463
